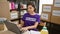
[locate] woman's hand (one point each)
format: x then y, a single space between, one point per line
19 26
24 29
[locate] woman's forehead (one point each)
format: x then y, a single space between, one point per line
29 5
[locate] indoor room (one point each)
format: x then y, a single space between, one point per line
29 16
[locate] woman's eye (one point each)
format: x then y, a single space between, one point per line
30 8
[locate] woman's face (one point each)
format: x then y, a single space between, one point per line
30 8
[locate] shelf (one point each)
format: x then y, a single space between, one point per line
14 19
23 9
16 9
13 10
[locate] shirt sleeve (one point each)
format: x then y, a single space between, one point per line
23 18
38 19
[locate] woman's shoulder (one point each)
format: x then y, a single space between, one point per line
26 14
37 14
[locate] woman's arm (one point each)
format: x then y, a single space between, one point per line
30 27
33 26
21 23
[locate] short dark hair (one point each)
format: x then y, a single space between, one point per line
32 4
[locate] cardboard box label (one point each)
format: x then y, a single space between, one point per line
56 13
23 12
44 16
47 8
57 3
14 15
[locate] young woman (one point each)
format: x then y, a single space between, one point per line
31 19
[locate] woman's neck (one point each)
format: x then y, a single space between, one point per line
32 13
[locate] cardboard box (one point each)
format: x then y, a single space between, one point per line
3 0
15 22
7 32
47 8
4 10
56 8
14 15
46 12
56 3
1 27
55 18
46 17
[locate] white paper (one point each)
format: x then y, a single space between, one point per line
47 8
14 15
31 32
56 13
57 3
44 16
34 32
